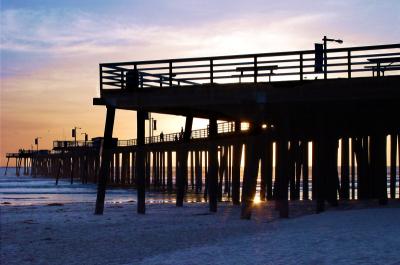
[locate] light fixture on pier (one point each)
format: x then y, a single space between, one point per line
325 40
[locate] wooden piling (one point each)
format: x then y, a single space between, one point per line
197 169
344 170
393 151
292 168
378 167
212 174
182 158
252 157
353 170
140 163
281 179
169 171
236 160
304 152
105 163
192 169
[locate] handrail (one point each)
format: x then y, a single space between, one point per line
223 128
205 70
226 57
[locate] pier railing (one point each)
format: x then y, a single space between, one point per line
223 128
348 62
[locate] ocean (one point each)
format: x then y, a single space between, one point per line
26 190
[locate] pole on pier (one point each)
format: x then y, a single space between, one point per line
332 171
8 160
212 174
378 167
183 158
237 156
192 169
169 171
398 147
223 171
344 170
263 181
105 162
140 163
304 152
393 146
361 148
319 176
353 170
292 168
282 180
198 171
253 152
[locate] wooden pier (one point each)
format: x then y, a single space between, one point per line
311 135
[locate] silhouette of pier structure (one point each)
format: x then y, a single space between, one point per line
327 135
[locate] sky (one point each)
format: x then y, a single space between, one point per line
50 50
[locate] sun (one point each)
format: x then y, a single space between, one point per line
257 199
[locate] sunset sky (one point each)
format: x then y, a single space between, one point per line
50 50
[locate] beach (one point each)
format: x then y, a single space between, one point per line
67 232
72 234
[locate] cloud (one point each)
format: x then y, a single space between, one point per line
72 32
63 32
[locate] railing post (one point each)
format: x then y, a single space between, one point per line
255 69
325 59
301 66
348 64
161 81
122 80
211 71
101 77
170 73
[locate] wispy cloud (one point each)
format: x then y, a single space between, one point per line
61 31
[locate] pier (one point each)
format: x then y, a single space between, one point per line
304 129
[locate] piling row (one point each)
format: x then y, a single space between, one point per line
275 165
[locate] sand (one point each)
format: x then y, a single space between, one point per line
71 234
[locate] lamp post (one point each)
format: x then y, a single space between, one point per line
325 39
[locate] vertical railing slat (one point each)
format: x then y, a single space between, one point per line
301 66
101 77
170 73
348 64
255 69
211 71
